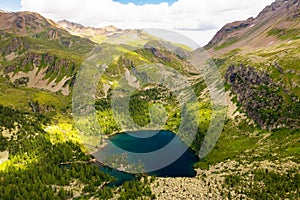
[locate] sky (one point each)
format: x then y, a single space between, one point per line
197 19
142 2
10 5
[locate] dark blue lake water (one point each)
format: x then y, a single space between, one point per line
177 160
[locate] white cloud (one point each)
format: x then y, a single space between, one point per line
198 19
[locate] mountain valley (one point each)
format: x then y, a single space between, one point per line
49 137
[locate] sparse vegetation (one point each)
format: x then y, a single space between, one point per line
285 34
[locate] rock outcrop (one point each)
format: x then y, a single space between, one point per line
268 103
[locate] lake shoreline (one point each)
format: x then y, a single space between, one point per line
122 142
106 137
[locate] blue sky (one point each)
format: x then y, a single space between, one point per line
142 2
14 5
10 5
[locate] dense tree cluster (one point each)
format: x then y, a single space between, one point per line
25 134
39 169
132 190
266 184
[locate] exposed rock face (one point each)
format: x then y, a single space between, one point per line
16 44
22 22
156 52
53 63
268 103
278 4
157 47
227 29
42 70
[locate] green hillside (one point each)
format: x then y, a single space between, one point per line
46 132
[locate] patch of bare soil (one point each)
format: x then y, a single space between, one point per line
3 156
36 80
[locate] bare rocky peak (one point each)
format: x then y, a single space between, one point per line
22 22
80 29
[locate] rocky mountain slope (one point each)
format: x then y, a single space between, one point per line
259 59
277 22
39 53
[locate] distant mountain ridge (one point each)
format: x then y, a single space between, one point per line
79 29
99 35
276 22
